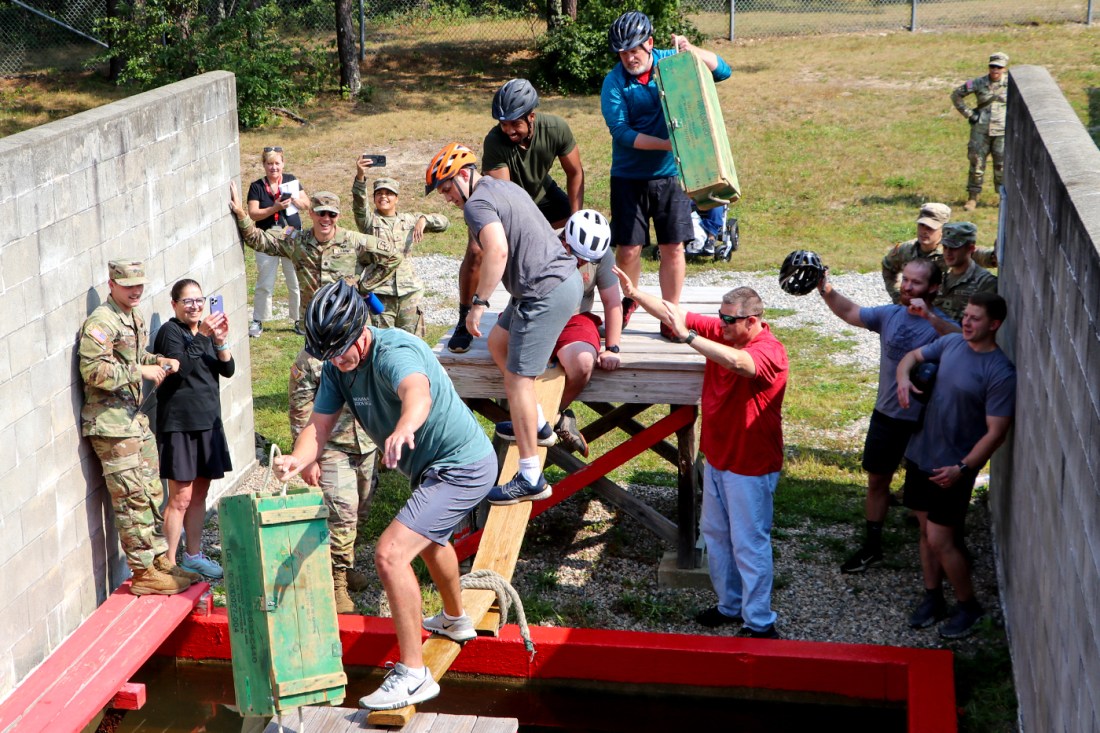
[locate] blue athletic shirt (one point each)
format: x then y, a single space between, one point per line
630 108
899 333
450 436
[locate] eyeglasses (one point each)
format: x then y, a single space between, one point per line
191 302
273 149
730 320
329 214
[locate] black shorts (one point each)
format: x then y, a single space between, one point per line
555 204
635 202
887 439
946 507
186 456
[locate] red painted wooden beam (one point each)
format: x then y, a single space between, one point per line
84 674
923 678
131 696
598 468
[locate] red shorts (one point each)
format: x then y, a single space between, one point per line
583 327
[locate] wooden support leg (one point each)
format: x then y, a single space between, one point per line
687 503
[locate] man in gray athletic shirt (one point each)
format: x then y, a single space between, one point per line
519 248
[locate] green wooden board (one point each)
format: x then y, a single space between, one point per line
697 130
283 631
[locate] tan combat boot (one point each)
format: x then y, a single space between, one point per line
344 604
971 203
161 563
151 581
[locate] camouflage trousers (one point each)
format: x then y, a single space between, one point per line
402 311
131 471
345 477
980 148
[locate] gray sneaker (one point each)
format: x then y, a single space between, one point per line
461 629
570 435
255 329
400 690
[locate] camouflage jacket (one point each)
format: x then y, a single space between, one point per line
991 97
957 289
360 257
305 376
112 352
900 254
394 234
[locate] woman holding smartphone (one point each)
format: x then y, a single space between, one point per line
190 438
269 202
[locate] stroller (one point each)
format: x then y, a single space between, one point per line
715 237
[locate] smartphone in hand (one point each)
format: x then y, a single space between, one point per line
216 304
376 161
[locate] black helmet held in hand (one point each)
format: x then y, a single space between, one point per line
630 30
801 272
514 100
923 377
334 320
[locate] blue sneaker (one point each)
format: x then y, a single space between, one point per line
202 565
520 489
546 435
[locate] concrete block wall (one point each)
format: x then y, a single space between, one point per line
145 177
1046 500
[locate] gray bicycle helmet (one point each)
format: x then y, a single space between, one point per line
588 234
801 271
514 100
630 30
334 320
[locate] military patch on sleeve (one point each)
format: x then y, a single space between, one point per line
295 372
970 85
98 334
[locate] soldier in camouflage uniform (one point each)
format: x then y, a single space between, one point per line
113 362
964 276
930 223
324 252
987 124
398 232
344 471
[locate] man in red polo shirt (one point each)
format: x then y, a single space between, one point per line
742 439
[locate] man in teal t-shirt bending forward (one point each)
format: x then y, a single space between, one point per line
399 393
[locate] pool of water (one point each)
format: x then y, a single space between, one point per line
185 696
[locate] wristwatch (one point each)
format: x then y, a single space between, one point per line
612 349
690 337
963 468
479 301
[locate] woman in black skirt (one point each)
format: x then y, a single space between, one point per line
190 439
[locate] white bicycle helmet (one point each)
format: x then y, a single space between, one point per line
588 234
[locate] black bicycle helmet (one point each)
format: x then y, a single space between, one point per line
334 320
630 30
514 100
923 377
801 271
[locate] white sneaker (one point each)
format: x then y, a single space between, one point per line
202 565
255 329
400 689
460 629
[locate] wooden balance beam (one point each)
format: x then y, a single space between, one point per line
501 540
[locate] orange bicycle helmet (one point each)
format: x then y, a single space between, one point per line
446 164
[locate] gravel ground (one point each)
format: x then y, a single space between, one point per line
585 564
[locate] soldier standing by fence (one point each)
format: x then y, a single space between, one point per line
987 125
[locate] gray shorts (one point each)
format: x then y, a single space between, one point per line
445 495
533 326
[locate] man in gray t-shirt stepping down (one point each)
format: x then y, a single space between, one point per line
519 248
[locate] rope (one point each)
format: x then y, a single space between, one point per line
271 469
506 597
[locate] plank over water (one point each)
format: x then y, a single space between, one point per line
320 719
501 540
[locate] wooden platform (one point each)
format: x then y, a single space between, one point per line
346 720
91 668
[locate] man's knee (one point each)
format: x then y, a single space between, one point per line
626 254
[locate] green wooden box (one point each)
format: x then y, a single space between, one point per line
697 131
283 631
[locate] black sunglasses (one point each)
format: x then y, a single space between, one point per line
730 320
273 149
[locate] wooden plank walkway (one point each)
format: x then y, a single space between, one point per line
92 666
345 720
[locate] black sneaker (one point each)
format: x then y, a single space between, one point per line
569 435
932 610
546 435
299 328
461 339
629 306
768 633
712 618
667 333
520 489
962 623
862 559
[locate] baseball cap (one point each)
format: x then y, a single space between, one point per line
325 201
999 59
127 272
387 183
934 215
959 234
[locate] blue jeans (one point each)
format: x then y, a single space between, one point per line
737 527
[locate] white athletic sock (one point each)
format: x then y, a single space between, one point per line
542 417
417 672
529 468
449 617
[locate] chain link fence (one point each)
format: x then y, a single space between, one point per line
29 41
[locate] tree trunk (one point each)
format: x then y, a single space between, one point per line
553 14
569 7
345 48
